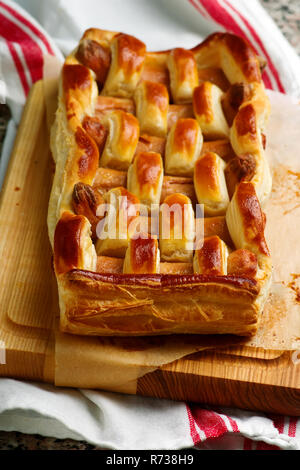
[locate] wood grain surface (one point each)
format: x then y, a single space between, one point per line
26 295
270 385
243 377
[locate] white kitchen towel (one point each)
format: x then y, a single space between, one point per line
123 422
107 419
170 23
160 24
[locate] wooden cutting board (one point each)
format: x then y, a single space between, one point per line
239 376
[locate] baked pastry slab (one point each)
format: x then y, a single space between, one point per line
118 108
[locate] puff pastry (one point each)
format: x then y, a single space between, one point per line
152 104
172 128
210 184
127 58
211 258
142 256
207 102
121 209
183 71
177 228
145 177
183 147
121 141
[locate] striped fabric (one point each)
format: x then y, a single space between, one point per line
26 44
249 20
216 428
228 16
23 46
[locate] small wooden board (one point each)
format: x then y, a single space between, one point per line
239 376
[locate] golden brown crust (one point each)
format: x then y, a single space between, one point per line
183 147
106 179
84 202
178 184
241 168
242 262
152 103
96 57
99 35
176 268
211 258
70 242
185 136
121 211
107 264
148 168
202 102
221 147
121 143
92 125
75 77
151 143
236 57
217 226
105 104
183 74
243 54
66 243
252 215
157 304
210 186
128 55
246 221
177 228
74 151
131 53
88 161
235 96
246 122
214 75
142 256
207 103
145 177
134 81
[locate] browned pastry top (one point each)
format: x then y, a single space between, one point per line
180 136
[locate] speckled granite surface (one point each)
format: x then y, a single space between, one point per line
18 441
286 14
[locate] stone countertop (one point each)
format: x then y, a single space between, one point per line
287 17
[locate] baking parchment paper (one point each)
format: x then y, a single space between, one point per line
116 363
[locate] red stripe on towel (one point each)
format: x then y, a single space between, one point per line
35 30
